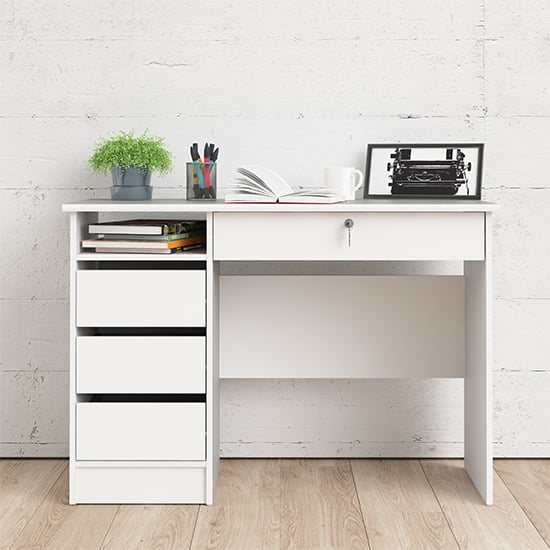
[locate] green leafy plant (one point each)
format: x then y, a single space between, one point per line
123 150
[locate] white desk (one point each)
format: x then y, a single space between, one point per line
145 361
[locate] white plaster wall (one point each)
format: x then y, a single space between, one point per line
296 85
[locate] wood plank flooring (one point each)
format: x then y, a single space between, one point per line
290 504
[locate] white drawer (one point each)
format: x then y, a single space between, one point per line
375 236
140 364
140 431
148 298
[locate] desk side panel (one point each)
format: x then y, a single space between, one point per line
78 230
212 369
478 390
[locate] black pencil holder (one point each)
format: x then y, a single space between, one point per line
201 181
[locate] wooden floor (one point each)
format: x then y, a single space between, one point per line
291 503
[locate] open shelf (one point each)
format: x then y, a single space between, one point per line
178 257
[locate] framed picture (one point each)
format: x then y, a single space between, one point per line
427 170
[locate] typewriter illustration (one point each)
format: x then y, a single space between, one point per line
428 177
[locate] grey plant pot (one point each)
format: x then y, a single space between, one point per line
131 184
131 192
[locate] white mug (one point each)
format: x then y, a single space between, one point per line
344 180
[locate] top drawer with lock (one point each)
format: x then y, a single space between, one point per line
134 298
414 236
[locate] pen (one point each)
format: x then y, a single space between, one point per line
207 165
196 161
212 157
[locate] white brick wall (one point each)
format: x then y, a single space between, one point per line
297 86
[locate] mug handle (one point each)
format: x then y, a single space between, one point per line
359 183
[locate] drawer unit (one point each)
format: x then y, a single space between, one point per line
146 298
374 236
140 431
140 364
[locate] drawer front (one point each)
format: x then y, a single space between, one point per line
138 484
140 364
148 298
374 236
140 431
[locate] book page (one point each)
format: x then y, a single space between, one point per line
269 178
312 196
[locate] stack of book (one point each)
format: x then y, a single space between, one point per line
146 236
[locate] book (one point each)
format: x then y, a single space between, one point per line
257 184
145 245
152 238
145 227
101 250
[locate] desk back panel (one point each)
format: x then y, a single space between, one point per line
342 327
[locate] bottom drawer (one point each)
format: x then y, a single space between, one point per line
140 431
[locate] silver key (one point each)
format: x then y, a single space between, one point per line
348 224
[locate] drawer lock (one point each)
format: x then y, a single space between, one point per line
348 224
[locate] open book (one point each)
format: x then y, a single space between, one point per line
260 184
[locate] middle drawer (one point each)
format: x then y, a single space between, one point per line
140 364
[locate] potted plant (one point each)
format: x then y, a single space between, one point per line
131 160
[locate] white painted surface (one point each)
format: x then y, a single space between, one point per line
332 418
342 327
130 430
146 364
213 369
148 298
189 256
139 484
140 431
297 86
393 303
478 386
164 206
78 231
373 236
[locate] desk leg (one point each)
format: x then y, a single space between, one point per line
478 390
212 366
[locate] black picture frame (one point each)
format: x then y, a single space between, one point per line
422 191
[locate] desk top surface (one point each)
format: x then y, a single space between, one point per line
362 205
